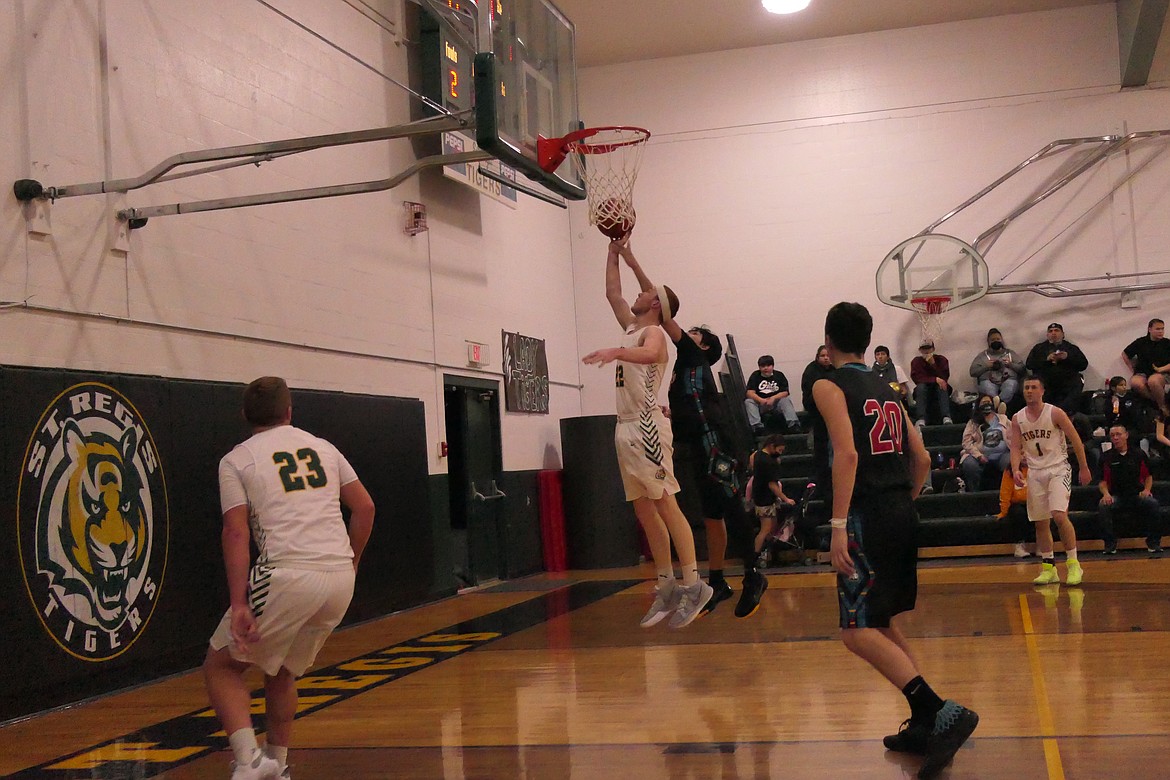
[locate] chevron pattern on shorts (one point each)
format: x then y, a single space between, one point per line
651 444
259 582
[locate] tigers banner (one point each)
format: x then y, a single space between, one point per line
525 374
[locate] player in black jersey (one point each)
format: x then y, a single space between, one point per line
879 465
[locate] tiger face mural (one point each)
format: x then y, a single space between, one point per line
93 522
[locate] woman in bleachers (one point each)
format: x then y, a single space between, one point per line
985 446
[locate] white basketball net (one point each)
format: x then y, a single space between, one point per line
608 163
930 313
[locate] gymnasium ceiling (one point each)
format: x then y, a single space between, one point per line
615 31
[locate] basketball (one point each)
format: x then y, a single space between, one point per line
611 219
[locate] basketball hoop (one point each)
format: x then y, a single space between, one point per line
608 163
930 311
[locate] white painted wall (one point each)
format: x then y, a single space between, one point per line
346 300
779 177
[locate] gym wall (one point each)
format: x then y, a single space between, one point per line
327 293
778 177
95 606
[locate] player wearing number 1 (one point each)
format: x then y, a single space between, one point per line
282 488
1041 434
879 465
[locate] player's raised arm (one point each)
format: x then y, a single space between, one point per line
830 403
613 288
669 324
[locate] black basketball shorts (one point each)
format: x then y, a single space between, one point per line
883 543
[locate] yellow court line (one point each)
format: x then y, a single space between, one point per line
1047 727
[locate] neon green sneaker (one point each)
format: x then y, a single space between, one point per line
1049 575
1075 573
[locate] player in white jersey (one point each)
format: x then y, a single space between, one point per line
282 488
643 440
1040 437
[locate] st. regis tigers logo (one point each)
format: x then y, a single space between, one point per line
92 522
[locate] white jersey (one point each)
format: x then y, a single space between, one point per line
1042 442
637 383
291 482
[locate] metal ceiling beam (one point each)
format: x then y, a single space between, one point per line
1139 25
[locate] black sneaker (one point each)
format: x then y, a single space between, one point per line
911 738
1154 549
722 592
952 725
1110 549
754 585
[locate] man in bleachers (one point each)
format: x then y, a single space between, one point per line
1126 484
1059 363
768 397
997 370
931 374
1148 357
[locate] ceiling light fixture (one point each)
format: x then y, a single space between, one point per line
785 6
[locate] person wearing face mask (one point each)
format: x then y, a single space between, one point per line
931 374
997 370
986 453
1059 364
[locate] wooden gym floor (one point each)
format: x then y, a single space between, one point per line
551 677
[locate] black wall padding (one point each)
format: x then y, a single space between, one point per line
600 527
193 424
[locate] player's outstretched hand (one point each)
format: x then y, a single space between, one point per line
839 553
621 246
601 356
244 630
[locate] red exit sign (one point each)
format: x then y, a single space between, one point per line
477 354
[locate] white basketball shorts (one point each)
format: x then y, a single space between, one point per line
645 454
1048 491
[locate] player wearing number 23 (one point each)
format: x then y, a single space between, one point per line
283 487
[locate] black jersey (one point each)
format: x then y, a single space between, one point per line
879 431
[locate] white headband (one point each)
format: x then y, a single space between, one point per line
664 302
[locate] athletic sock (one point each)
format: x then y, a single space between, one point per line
715 577
665 579
244 746
1070 555
690 574
924 702
1049 558
279 753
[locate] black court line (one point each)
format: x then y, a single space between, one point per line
152 750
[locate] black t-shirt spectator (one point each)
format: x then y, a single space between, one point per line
1145 353
693 373
767 469
1125 474
1127 410
768 386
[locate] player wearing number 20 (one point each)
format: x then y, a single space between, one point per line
879 466
284 488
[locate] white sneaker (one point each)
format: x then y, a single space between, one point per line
694 598
262 767
947 421
920 423
665 602
1021 551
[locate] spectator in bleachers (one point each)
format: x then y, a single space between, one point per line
997 370
931 374
820 368
986 453
887 371
1148 357
1124 408
1013 507
1059 363
1126 484
768 397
